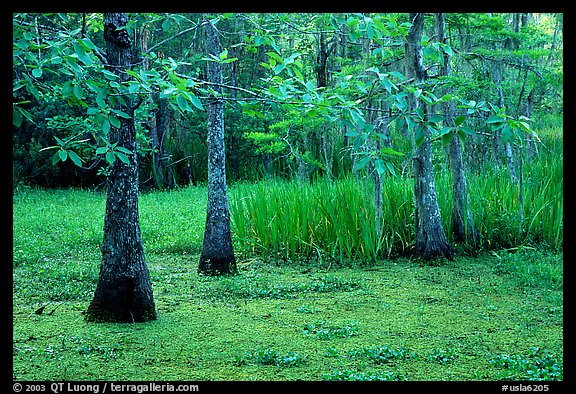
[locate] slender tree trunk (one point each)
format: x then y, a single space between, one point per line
158 125
463 226
431 239
322 81
158 130
234 136
217 255
531 147
124 290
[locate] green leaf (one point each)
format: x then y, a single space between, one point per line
63 155
275 56
400 102
59 141
362 163
32 89
121 114
183 103
124 150
390 167
166 25
109 75
133 87
82 55
387 84
78 92
37 72
507 134
55 158
419 135
380 167
351 133
122 157
525 126
429 98
446 138
101 98
430 53
195 101
494 119
106 125
358 119
110 157
444 131
75 158
102 149
114 121
436 118
92 111
88 44
390 152
459 120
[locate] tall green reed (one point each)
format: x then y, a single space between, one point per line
337 218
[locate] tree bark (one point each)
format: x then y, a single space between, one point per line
463 226
217 257
431 239
124 291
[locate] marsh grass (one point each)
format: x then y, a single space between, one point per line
336 220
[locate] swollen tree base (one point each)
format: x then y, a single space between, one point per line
433 249
217 266
122 311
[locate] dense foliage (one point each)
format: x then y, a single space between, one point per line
305 93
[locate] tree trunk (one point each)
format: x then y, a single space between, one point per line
431 239
158 130
321 62
234 136
124 290
463 226
531 148
217 255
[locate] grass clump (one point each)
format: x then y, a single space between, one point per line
441 356
531 267
384 354
270 357
361 376
325 330
538 364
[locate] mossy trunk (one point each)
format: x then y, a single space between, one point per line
124 290
463 226
431 241
217 255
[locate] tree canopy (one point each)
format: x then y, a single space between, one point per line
304 94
